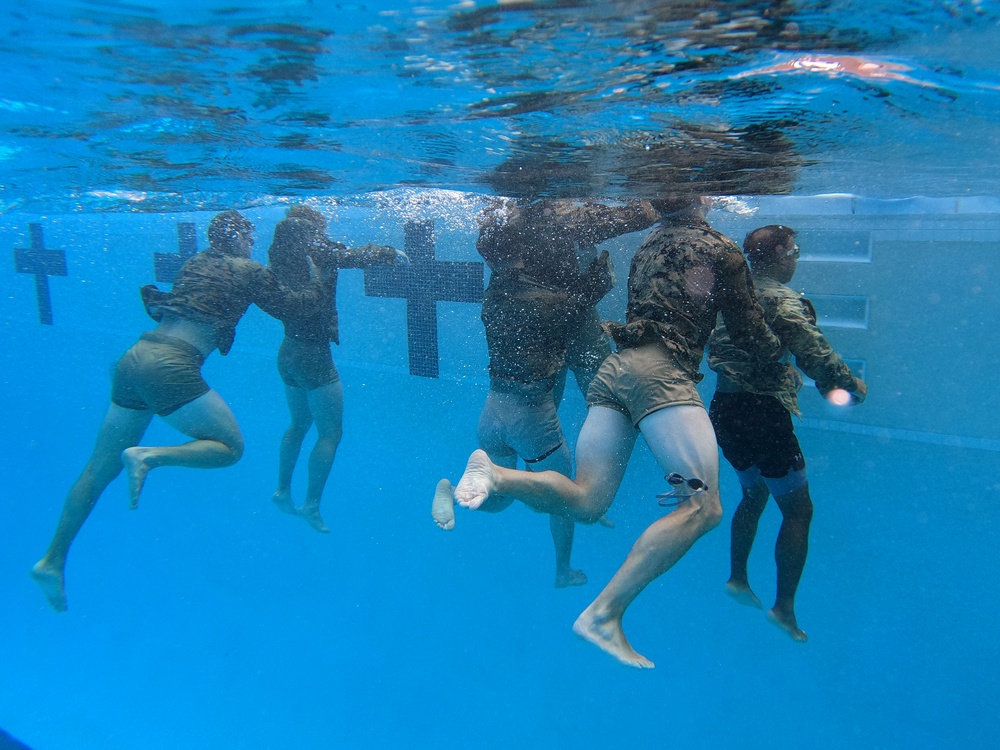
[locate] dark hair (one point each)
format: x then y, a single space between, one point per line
286 257
307 213
225 229
760 244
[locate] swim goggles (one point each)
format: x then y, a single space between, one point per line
683 490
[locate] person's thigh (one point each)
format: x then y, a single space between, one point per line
208 417
122 428
298 406
681 439
602 453
327 406
490 433
561 460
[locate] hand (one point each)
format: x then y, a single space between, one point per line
605 270
844 397
796 376
859 392
597 281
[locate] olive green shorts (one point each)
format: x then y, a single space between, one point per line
306 364
642 380
158 374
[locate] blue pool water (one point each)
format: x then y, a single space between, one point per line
207 619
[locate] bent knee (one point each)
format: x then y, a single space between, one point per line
709 511
235 445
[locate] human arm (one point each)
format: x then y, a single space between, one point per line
335 256
795 323
740 310
281 301
592 223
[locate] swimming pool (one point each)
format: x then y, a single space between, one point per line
208 619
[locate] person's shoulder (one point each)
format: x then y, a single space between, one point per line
246 265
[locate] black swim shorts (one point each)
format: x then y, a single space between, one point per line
756 430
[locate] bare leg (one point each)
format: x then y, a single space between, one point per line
121 429
602 452
742 535
217 442
327 405
790 555
291 446
562 530
681 438
561 527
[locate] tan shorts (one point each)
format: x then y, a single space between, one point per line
159 374
306 365
513 425
642 380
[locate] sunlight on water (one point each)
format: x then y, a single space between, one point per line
208 106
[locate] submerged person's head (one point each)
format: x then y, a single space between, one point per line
308 214
287 256
230 233
772 250
680 204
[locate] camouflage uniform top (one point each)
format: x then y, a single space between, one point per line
319 323
217 289
540 240
792 317
682 277
537 295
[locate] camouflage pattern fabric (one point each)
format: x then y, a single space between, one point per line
793 318
217 289
683 276
538 302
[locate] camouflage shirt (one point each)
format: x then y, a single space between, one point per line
319 323
217 289
541 240
683 276
537 295
792 317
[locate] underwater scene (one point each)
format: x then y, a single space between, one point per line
402 225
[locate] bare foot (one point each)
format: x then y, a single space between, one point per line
310 512
443 505
570 577
50 578
477 483
607 635
786 621
741 592
134 460
283 499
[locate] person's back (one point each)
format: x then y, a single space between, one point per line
217 286
305 363
288 260
682 278
793 319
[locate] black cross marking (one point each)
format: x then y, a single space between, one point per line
425 283
167 265
42 263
